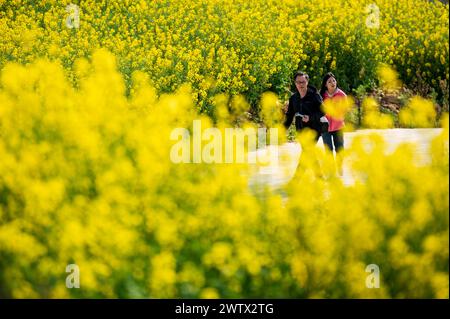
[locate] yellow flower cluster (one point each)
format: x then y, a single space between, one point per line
86 179
232 46
389 78
373 118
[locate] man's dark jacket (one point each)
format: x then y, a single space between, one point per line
311 105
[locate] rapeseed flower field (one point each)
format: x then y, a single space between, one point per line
235 47
89 96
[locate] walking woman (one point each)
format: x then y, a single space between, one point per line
334 138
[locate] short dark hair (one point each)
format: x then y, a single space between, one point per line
300 73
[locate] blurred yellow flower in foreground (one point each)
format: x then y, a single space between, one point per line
86 178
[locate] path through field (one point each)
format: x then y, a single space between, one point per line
276 175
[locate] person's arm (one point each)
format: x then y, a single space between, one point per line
289 114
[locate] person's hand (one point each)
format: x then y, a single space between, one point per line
323 119
305 118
